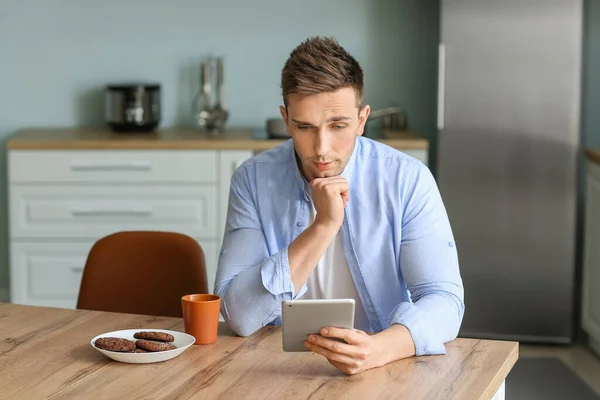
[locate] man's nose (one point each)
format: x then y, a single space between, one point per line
322 145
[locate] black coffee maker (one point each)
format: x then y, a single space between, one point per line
133 107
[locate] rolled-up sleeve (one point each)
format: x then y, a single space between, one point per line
428 263
251 282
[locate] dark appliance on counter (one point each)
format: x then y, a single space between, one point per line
133 107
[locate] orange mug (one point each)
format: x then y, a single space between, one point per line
201 316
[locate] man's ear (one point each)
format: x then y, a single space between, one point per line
363 115
284 115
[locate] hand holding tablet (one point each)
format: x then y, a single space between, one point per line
301 318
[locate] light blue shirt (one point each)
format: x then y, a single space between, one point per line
396 237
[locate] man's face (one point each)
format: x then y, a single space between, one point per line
324 128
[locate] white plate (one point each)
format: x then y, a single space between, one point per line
182 341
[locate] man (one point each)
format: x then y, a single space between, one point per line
330 214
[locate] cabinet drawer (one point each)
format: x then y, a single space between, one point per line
95 211
108 166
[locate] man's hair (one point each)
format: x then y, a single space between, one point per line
321 65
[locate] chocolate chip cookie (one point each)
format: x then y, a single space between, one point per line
115 344
158 336
152 345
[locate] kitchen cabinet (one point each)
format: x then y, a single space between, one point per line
69 188
62 201
591 272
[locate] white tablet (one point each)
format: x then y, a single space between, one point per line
300 318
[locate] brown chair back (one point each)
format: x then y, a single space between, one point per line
142 272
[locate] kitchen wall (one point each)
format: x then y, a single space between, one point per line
56 55
591 82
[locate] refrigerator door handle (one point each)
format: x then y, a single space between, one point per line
441 84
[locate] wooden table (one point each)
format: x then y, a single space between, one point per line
45 353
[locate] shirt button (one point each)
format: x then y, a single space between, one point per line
299 223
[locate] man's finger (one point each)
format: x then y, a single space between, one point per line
332 356
335 346
349 335
328 181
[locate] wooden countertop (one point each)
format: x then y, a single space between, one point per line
173 138
46 352
593 155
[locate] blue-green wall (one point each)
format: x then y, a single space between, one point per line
590 123
55 55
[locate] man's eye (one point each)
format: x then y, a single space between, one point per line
303 127
339 127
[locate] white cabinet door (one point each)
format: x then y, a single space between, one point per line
230 161
591 273
49 273
211 250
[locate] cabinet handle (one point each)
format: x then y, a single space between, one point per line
92 212
77 268
130 166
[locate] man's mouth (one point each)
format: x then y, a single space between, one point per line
323 166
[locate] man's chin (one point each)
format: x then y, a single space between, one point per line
326 174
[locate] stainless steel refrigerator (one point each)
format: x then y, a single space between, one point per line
508 121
